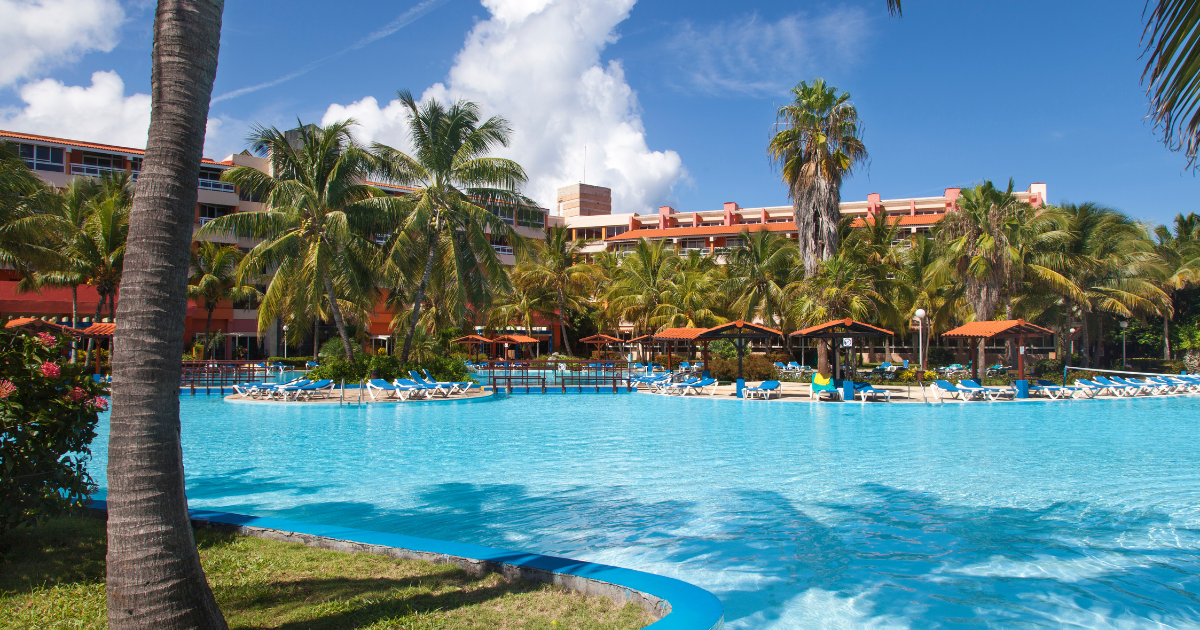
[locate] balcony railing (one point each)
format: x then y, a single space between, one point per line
503 249
212 184
96 171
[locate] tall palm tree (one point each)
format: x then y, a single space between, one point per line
317 233
558 266
1173 54
154 576
927 284
521 303
975 240
214 279
688 301
97 254
455 184
816 145
21 197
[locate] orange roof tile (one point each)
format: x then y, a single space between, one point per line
719 332
1005 328
706 230
851 326
514 339
86 145
100 330
599 339
907 219
686 334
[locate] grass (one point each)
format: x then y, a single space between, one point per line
53 577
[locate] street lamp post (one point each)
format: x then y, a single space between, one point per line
1124 360
1072 352
920 338
285 329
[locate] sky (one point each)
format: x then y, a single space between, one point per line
674 101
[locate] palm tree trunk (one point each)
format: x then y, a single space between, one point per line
154 576
337 319
208 324
420 297
87 358
823 356
74 319
562 322
1166 338
1085 347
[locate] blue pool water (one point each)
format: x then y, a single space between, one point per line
834 515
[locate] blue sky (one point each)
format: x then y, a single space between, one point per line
675 100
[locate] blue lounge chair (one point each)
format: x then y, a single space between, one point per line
670 388
941 386
1055 391
822 385
763 389
251 390
425 390
992 393
282 391
437 388
455 386
783 369
1119 389
1091 388
388 390
697 387
866 390
1151 388
310 390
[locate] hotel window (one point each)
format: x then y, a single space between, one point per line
208 212
693 243
40 158
589 234
613 231
531 217
101 163
733 242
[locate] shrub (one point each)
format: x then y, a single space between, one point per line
1163 366
755 367
441 368
939 355
722 348
48 414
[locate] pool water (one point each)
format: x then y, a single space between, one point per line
1040 514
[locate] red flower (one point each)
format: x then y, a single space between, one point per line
51 370
46 339
77 395
98 403
6 389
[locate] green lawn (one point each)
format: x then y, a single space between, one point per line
53 577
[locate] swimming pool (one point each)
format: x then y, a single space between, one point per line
1033 514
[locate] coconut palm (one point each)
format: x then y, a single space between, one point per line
455 186
642 283
1175 263
816 145
975 242
317 232
21 197
214 279
521 303
757 274
97 254
154 576
925 283
558 266
1173 54
688 301
842 287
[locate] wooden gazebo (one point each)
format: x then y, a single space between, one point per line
1007 329
842 329
740 333
599 340
518 340
671 335
473 339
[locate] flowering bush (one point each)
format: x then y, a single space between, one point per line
48 415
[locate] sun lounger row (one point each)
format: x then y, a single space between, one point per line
416 385
666 384
1083 388
299 389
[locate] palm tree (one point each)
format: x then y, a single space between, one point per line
976 244
21 195
925 283
1176 264
816 145
757 274
842 287
1173 47
643 282
98 253
558 266
524 301
454 182
688 301
214 279
154 575
317 231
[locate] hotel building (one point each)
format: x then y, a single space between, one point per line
585 210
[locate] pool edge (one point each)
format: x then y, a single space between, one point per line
677 605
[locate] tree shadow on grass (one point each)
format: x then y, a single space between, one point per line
360 602
61 551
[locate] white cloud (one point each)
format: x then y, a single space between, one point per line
100 112
753 56
537 63
38 34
